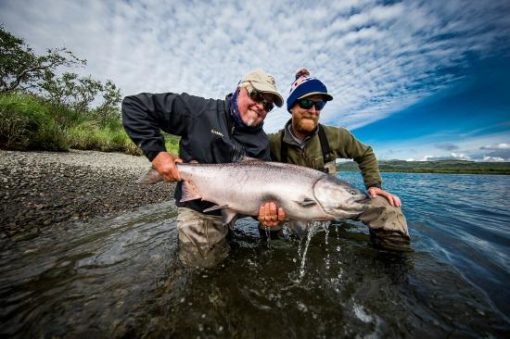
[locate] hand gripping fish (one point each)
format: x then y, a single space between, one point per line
240 188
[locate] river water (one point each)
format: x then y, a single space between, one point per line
120 277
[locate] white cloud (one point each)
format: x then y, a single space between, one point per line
501 146
375 59
460 156
494 159
451 156
451 147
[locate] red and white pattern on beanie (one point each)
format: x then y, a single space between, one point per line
302 75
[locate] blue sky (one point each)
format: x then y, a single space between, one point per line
417 80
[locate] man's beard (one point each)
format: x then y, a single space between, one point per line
251 119
307 125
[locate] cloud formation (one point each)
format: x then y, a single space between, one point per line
498 152
496 147
376 57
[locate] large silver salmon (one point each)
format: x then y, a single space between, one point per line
240 188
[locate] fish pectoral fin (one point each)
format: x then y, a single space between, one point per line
307 202
215 208
228 216
298 227
189 192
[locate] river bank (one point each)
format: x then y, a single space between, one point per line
41 189
438 166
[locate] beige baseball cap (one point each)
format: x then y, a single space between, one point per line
264 83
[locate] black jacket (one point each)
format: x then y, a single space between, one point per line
207 131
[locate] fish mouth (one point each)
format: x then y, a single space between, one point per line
361 199
358 203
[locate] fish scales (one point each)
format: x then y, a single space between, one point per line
240 188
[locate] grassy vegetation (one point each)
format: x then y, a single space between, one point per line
28 122
440 166
62 115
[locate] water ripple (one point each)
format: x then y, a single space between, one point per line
120 277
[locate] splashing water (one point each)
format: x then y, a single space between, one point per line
312 228
268 236
325 226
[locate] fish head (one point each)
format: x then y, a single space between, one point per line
339 199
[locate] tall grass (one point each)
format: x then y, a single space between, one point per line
28 122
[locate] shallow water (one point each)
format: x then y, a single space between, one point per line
120 277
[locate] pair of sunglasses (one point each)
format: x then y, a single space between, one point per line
307 104
258 97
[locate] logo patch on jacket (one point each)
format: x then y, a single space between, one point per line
218 133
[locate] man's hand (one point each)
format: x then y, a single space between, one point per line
271 215
392 199
164 164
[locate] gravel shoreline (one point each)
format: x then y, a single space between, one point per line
40 189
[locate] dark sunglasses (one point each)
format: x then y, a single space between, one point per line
307 104
258 97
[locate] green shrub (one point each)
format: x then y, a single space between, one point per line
89 136
171 143
26 124
83 136
13 129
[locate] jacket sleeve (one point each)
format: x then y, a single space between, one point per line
145 115
349 147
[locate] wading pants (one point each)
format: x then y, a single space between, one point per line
387 224
202 238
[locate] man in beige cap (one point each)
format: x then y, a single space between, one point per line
211 131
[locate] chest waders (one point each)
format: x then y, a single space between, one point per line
329 164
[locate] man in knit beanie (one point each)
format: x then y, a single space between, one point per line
303 141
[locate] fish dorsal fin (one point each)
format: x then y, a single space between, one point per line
248 159
189 191
306 202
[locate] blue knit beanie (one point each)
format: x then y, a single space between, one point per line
304 86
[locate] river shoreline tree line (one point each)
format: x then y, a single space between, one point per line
437 166
44 109
44 106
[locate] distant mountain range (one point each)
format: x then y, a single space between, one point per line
439 166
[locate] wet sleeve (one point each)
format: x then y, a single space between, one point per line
145 115
349 147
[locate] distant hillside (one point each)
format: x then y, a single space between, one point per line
440 166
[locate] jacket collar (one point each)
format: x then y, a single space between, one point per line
291 139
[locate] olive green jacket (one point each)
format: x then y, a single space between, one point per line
342 144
